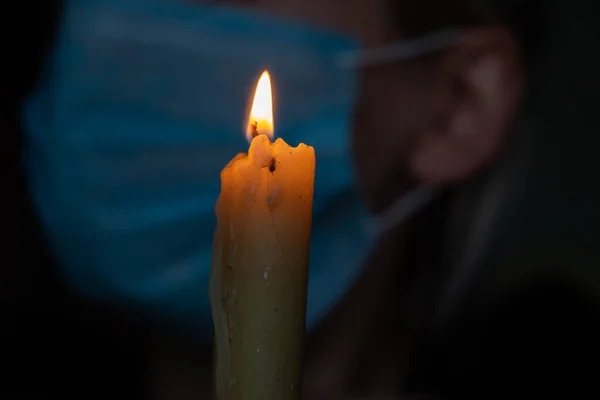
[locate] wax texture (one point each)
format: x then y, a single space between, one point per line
259 271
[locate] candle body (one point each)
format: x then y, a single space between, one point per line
259 271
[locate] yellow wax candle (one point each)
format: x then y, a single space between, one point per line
260 263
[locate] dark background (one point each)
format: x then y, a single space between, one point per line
52 342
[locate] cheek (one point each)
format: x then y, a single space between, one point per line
363 145
385 123
374 148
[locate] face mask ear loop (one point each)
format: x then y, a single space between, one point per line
399 51
400 210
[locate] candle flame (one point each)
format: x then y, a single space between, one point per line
260 120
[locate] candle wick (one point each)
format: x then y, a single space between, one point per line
254 129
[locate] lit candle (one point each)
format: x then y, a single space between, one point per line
260 263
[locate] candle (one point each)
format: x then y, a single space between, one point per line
259 269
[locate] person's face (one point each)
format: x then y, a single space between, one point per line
433 120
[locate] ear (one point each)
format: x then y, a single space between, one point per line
480 88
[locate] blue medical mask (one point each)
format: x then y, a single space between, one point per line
142 105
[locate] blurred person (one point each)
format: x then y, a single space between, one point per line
427 315
430 135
